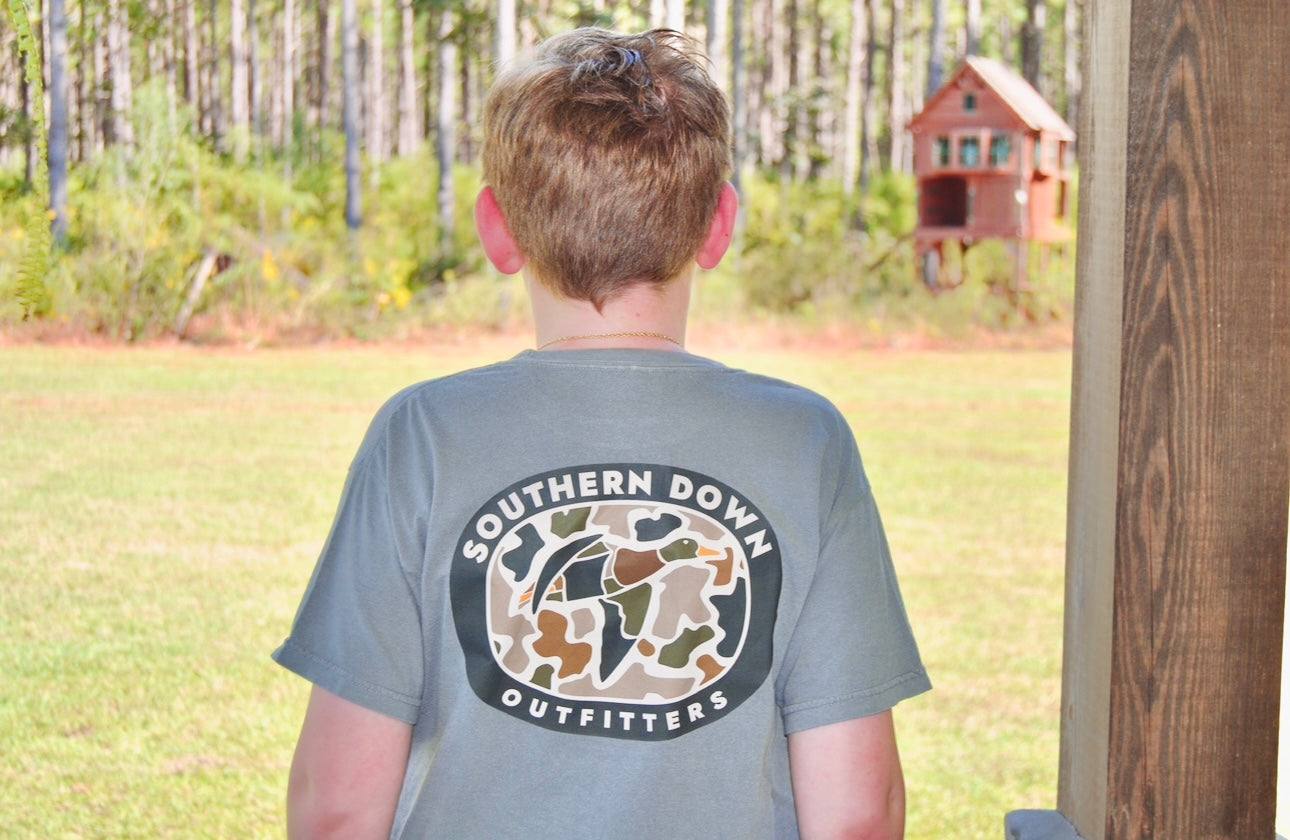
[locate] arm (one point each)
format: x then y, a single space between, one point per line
847 780
347 771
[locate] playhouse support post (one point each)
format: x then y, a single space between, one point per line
1180 429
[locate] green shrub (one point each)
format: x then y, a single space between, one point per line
22 220
144 220
810 253
27 262
144 223
801 250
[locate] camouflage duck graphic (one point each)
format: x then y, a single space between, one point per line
623 581
599 570
628 601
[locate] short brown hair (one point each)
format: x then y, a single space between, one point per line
607 154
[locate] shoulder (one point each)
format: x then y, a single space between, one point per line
794 430
788 402
788 393
412 412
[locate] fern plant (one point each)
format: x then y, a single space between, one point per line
33 264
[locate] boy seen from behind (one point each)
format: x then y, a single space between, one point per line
606 588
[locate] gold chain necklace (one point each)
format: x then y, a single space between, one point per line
635 334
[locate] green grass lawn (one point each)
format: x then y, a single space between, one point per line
161 509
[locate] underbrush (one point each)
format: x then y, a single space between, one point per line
174 238
814 257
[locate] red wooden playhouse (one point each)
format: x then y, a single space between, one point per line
990 156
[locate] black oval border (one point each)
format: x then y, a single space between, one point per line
491 684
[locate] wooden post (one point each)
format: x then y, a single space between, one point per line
1180 430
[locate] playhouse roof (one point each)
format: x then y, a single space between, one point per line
1016 92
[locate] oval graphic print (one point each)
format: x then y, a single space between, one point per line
621 600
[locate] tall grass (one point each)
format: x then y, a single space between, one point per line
160 511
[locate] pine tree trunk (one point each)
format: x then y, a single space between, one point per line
322 67
332 102
376 115
122 90
738 97
214 113
287 87
86 113
972 26
409 125
821 124
857 53
936 49
896 87
349 112
718 18
868 123
792 94
102 87
446 133
9 94
430 93
1072 46
310 49
1032 42
776 86
675 15
153 46
915 66
192 52
239 108
757 77
1006 34
275 82
505 36
465 151
58 123
254 79
170 57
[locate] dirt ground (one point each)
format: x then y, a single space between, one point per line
703 337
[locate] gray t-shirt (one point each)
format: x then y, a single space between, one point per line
603 585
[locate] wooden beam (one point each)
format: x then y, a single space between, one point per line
1180 449
1095 416
1205 420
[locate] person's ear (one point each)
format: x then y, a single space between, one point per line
722 230
494 235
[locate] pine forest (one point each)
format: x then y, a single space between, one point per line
287 169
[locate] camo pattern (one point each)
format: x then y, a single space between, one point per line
629 601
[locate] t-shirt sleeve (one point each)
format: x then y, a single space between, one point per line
852 652
357 632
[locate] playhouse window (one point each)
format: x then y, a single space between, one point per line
1000 149
969 151
969 102
942 151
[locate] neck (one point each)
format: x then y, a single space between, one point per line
644 317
